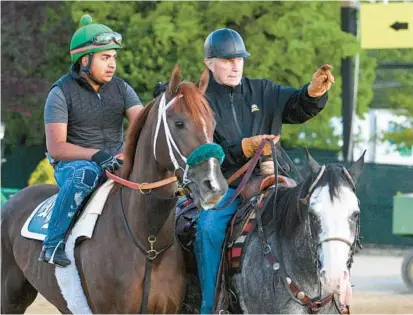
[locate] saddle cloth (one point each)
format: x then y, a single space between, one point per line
36 225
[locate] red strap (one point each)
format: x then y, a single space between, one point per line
143 186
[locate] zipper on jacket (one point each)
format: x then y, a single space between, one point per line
101 121
231 97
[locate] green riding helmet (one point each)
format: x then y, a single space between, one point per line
91 38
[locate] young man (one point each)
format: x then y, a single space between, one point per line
83 118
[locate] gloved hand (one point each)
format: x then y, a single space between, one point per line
250 145
106 161
321 82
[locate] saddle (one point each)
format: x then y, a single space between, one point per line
187 213
258 185
37 223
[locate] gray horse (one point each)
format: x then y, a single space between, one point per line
299 262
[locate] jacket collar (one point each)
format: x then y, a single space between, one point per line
224 89
74 73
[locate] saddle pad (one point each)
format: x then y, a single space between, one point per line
36 225
235 250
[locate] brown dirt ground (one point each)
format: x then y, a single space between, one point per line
362 303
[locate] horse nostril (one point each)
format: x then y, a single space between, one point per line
210 185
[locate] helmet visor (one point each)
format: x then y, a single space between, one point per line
106 38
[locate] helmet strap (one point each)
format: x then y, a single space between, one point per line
86 69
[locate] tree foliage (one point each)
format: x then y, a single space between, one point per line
288 41
34 49
43 174
395 91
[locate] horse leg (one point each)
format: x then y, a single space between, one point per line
16 292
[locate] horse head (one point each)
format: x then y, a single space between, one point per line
333 216
180 139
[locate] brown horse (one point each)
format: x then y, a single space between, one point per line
133 262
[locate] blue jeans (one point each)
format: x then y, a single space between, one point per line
76 180
210 236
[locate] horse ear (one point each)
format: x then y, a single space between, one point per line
203 81
173 82
313 164
356 169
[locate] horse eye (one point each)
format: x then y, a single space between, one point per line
355 215
179 124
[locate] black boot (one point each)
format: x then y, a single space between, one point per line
59 258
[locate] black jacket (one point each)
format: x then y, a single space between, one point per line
255 107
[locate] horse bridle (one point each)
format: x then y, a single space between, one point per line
305 201
352 244
197 156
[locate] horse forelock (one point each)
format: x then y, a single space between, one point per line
334 178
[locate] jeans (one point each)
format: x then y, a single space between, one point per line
76 180
211 230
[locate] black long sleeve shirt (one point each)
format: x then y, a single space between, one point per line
255 107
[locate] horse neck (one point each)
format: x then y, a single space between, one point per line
147 214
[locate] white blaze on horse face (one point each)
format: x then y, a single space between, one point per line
335 217
212 175
212 170
204 127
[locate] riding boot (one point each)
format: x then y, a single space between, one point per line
55 255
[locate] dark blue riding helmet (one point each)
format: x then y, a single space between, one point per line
225 43
222 43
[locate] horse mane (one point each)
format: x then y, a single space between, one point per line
192 102
291 213
131 140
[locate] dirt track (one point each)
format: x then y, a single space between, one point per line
362 303
378 289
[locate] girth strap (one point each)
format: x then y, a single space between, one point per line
146 287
